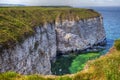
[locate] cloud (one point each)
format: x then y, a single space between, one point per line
102 0
65 2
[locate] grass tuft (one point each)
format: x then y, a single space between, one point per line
117 44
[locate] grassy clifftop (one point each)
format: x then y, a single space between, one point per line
19 22
104 68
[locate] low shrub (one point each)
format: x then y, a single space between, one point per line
8 76
117 44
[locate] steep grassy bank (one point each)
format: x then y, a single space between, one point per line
16 23
105 68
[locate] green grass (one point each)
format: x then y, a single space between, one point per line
117 44
8 75
73 63
17 23
80 61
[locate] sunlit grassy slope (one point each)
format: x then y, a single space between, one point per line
104 68
16 23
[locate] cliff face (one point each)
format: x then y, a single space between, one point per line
73 36
35 53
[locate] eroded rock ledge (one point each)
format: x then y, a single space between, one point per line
35 53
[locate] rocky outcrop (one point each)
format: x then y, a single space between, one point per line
34 54
80 35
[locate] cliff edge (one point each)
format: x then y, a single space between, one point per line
31 37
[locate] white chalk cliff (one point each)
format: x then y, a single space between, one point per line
34 54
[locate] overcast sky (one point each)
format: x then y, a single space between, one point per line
65 2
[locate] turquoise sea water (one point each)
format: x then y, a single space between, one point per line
72 63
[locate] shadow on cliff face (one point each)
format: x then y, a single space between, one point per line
62 63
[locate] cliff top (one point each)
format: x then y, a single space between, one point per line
17 22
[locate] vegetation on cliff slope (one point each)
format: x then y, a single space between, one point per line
80 61
16 23
104 68
73 63
117 44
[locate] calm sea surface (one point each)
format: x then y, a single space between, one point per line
72 63
111 17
